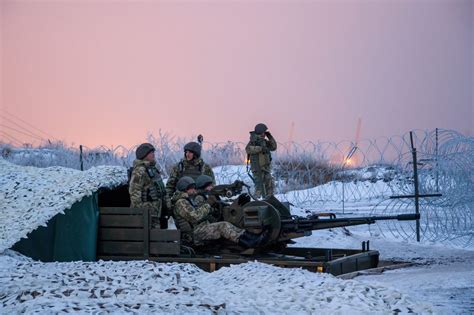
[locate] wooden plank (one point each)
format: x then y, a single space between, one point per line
113 220
120 210
159 248
118 257
120 248
120 234
212 266
157 235
205 263
146 234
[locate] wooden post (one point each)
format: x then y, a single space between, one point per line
146 233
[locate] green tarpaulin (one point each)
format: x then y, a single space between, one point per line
67 237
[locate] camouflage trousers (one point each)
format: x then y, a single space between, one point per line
155 211
214 231
263 184
155 214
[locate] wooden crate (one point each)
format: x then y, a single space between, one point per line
125 233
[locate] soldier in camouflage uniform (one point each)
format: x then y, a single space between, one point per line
191 165
260 158
146 188
204 184
193 220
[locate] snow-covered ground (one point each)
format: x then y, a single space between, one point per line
144 287
441 275
440 281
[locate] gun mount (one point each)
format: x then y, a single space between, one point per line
272 214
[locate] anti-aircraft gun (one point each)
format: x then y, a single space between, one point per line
272 215
125 233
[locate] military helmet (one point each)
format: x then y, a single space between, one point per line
143 150
185 183
260 128
203 181
193 147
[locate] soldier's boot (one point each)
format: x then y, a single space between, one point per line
251 240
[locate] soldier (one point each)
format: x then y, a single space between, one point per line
258 152
193 221
204 185
191 165
146 188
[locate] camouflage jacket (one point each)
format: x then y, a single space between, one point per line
192 168
200 199
258 150
146 187
185 209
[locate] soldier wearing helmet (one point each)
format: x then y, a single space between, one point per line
191 165
204 185
146 187
194 220
258 152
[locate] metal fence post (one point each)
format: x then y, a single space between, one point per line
417 193
80 157
436 158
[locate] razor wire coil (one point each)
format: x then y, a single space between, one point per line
319 175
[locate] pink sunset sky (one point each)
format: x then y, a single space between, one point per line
107 72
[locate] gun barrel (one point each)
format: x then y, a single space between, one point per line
400 217
303 224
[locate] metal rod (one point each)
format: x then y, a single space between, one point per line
343 193
413 196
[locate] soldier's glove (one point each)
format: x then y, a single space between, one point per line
212 200
268 134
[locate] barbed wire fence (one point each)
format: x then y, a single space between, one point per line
342 177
